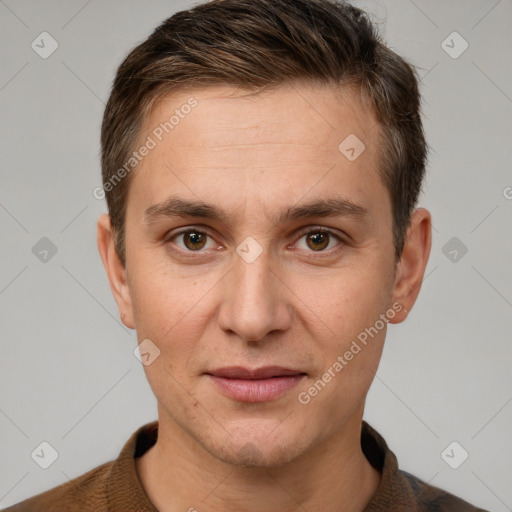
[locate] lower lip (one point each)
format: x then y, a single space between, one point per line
257 390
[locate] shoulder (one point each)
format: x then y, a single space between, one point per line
433 499
399 490
85 492
113 486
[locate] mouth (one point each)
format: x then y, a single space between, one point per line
259 385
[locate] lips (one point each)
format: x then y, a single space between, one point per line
258 385
267 372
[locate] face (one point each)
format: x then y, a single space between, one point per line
254 240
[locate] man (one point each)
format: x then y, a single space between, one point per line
262 161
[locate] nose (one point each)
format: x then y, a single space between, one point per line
254 301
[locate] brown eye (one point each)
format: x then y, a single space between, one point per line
317 241
190 241
194 240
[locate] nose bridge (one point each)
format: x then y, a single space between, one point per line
253 304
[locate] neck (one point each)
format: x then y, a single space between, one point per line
179 474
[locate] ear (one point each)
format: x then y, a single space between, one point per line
413 261
116 271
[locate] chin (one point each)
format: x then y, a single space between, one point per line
253 450
250 455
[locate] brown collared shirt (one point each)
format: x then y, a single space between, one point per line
115 486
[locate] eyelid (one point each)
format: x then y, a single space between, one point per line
185 229
318 229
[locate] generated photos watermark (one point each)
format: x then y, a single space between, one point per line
355 348
151 142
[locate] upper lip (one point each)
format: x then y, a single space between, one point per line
266 372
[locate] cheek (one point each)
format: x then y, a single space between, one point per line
343 315
350 348
343 304
172 312
164 300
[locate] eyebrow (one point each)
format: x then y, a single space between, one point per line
177 207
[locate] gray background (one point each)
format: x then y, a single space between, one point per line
68 375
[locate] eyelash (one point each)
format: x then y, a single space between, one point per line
301 234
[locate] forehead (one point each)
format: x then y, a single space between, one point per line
221 142
314 114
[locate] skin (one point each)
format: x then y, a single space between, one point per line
254 156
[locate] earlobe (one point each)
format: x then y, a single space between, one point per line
413 262
116 272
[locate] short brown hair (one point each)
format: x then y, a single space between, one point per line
254 44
